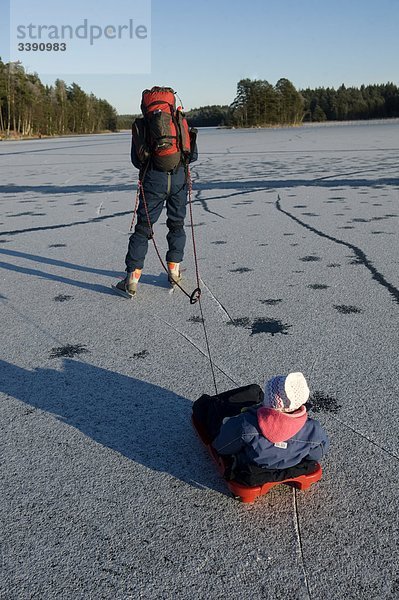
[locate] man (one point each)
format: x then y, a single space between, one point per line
162 148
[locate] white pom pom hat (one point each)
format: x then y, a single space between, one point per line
286 392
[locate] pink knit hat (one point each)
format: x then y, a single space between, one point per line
286 392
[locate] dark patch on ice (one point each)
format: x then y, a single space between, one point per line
320 402
262 325
318 286
272 326
62 298
347 309
196 319
271 301
57 246
218 242
141 354
310 258
68 351
241 270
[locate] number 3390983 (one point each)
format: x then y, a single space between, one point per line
42 47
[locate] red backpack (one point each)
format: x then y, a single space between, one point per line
163 133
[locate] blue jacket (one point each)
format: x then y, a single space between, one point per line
241 436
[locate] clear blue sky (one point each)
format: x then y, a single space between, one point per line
204 48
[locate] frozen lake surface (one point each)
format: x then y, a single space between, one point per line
106 491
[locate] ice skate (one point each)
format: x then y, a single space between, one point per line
174 273
128 286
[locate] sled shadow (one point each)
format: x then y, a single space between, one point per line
145 423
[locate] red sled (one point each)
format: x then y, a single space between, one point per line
245 493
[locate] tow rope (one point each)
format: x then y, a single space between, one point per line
195 296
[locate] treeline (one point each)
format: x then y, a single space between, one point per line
258 103
125 121
28 107
351 103
209 116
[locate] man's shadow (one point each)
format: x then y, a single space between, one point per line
146 423
148 279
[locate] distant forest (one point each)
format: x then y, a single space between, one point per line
258 103
28 107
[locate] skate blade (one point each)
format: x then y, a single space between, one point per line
122 292
173 285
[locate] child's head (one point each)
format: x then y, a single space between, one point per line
286 392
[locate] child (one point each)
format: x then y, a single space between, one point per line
277 435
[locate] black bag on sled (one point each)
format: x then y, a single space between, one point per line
210 411
250 474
